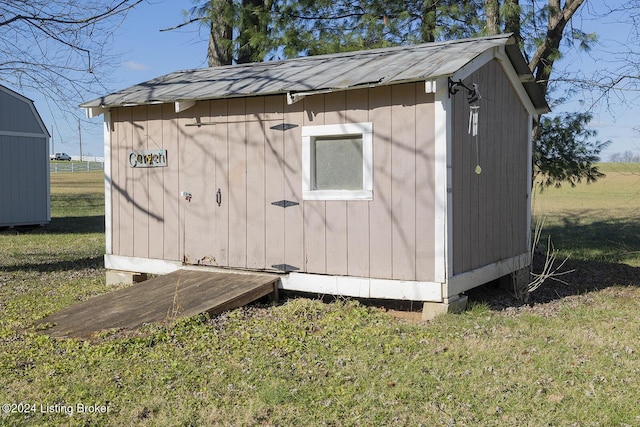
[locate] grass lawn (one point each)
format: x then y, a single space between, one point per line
569 358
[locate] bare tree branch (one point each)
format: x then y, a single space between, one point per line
59 47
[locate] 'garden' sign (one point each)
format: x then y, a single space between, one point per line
148 159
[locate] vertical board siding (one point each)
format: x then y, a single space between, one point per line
256 129
237 197
23 180
274 169
358 223
315 219
198 161
336 210
379 238
403 187
18 115
389 237
116 183
125 186
381 212
425 186
294 240
171 184
141 194
220 136
156 184
490 209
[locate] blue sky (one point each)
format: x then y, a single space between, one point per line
145 52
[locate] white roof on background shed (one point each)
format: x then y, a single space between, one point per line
322 73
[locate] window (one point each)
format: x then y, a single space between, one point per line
337 162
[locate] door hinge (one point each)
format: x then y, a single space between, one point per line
285 267
285 203
284 126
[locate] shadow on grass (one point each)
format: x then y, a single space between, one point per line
76 224
48 262
63 225
600 254
47 266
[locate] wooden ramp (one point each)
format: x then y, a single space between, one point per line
183 293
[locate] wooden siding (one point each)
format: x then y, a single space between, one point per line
253 165
24 180
24 162
17 115
490 209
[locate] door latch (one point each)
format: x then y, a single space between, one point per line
219 197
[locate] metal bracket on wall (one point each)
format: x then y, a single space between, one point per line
284 203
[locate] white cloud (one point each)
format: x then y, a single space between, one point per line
135 65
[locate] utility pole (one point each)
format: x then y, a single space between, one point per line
80 136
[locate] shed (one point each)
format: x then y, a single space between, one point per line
24 162
350 174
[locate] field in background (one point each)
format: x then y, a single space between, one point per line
597 226
571 358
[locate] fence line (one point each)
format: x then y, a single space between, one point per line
66 167
88 159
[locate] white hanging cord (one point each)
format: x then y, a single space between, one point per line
473 131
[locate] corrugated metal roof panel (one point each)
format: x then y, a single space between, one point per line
314 73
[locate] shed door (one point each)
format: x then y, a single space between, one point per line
237 176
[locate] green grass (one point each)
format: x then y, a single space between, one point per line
597 222
571 359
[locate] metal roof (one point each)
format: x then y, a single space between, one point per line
321 73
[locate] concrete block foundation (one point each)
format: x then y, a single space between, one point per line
456 304
115 277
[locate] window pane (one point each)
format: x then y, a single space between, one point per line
337 163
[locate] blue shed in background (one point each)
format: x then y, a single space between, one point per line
24 162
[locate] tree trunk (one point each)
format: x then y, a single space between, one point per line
547 52
220 47
492 12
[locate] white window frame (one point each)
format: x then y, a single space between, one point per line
310 132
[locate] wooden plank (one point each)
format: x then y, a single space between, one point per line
315 255
141 194
425 186
380 213
403 190
198 175
156 184
293 215
125 189
163 299
237 197
336 210
256 226
358 225
274 182
170 173
221 213
116 184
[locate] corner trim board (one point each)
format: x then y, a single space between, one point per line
468 280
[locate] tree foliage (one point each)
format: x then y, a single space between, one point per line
270 29
565 150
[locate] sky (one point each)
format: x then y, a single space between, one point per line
145 52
